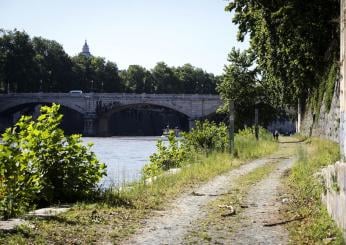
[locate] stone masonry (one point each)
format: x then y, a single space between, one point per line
97 108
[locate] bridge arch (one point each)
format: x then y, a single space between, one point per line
146 119
17 103
72 121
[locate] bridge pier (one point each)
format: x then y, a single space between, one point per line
89 125
192 123
103 127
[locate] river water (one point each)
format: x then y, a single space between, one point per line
124 156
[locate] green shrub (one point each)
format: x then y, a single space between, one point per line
166 157
208 136
39 164
19 171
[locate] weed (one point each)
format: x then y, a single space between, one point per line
306 192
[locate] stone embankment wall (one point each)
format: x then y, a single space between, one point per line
326 124
334 178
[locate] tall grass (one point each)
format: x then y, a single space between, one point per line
247 147
306 191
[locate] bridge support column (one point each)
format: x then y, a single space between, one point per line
192 123
89 126
103 127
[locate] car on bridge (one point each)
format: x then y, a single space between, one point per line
76 92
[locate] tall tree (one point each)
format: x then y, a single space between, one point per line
82 73
112 81
186 75
293 40
241 83
137 79
17 62
54 66
165 79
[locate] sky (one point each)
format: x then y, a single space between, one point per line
127 32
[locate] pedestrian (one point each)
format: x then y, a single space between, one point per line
276 135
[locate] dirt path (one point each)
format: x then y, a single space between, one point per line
170 226
264 202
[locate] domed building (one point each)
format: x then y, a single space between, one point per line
85 50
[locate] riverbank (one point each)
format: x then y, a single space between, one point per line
122 212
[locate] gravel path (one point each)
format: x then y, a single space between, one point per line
266 197
169 226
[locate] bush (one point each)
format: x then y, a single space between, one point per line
40 165
166 157
208 136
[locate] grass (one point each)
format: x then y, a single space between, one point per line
246 147
122 212
306 190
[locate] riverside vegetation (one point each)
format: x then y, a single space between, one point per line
115 213
39 165
313 225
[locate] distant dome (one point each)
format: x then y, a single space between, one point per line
85 50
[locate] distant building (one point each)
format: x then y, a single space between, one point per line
85 50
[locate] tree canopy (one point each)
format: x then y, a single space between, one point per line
294 43
38 64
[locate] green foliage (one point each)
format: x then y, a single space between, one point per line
239 81
166 157
331 80
41 165
195 80
307 190
208 136
137 79
294 42
241 84
17 66
247 147
19 171
37 64
53 72
324 92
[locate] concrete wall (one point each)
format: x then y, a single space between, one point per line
327 124
334 178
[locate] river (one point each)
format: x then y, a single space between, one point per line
124 156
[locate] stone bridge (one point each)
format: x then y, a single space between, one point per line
96 108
